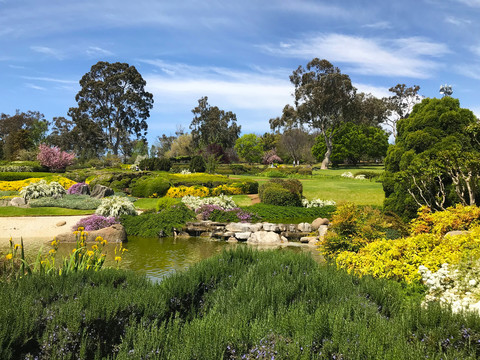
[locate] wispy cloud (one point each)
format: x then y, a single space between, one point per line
48 79
48 51
35 87
98 51
382 25
472 3
457 21
468 70
410 57
475 49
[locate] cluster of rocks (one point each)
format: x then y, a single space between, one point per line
259 233
98 192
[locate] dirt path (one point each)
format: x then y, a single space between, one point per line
255 198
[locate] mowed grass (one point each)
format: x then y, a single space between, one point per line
41 211
330 185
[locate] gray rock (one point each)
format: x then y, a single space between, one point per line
292 227
100 191
318 222
284 239
264 238
18 201
282 227
271 227
243 227
113 234
307 239
61 223
304 227
322 231
84 190
314 242
232 240
243 235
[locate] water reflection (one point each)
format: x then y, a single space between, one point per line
158 257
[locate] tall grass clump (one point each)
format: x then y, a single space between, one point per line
241 304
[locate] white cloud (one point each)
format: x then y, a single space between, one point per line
408 57
457 21
470 71
377 91
472 3
47 79
98 51
475 49
48 51
382 25
35 87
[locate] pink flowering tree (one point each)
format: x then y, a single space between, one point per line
54 158
271 157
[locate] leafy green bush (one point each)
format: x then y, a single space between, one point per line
116 206
166 202
155 164
15 176
150 187
274 174
73 201
304 171
368 174
197 164
281 192
289 214
42 189
117 180
160 224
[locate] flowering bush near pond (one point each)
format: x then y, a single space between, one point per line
95 222
222 201
42 189
116 206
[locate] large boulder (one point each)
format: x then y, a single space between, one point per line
304 227
271 227
18 201
265 238
243 227
318 222
100 191
113 234
84 190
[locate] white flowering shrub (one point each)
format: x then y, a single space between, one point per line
459 289
116 206
317 203
348 174
41 189
360 177
185 172
194 202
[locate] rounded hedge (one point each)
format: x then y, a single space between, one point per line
197 164
151 186
275 194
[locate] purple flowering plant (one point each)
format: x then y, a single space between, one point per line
95 222
75 188
217 213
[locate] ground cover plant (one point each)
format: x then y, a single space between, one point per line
289 214
242 304
41 211
81 202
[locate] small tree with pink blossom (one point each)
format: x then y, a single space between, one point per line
271 157
54 158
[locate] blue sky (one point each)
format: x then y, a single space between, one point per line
238 53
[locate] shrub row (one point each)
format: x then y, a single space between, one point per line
240 304
281 192
81 202
15 176
289 214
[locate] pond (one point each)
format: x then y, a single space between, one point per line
158 257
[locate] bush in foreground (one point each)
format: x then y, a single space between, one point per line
242 304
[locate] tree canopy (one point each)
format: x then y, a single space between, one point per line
435 161
113 97
249 147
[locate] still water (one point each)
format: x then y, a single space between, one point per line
158 257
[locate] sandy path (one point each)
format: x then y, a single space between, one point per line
34 229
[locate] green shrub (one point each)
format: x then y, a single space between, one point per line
15 176
160 224
304 171
150 187
155 164
274 174
281 192
165 203
289 214
368 174
197 164
81 202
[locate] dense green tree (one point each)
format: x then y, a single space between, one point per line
353 143
113 96
324 99
269 141
62 134
249 147
400 104
22 131
435 161
211 125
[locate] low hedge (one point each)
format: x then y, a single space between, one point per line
158 224
281 192
15 176
289 214
81 202
150 187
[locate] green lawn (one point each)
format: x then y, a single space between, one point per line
41 211
330 185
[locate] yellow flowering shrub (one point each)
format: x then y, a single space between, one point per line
181 191
459 217
226 190
400 259
19 184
